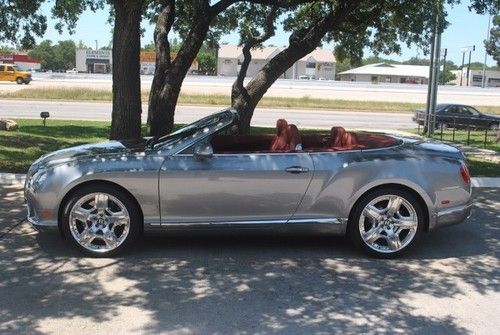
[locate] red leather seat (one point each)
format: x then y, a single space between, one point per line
343 140
280 141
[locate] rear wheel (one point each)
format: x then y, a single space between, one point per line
494 125
19 80
101 221
387 222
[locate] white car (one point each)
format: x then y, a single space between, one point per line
73 70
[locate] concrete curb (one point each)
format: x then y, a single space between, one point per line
15 178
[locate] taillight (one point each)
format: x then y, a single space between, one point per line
464 172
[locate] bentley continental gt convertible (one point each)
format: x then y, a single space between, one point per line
382 191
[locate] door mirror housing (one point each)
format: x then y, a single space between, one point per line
203 151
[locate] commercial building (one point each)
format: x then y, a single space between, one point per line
492 78
22 61
319 64
93 61
388 73
148 61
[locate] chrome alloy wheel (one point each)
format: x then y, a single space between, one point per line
388 223
99 222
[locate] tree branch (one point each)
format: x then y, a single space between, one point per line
162 29
269 30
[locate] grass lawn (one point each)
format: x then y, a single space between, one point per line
20 148
476 138
88 94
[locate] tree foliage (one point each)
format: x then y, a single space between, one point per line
493 44
60 56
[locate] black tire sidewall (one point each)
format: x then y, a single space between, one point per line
353 225
135 229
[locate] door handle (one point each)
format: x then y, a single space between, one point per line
297 169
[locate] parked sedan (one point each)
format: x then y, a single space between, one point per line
458 116
382 191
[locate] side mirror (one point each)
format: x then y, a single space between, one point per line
203 151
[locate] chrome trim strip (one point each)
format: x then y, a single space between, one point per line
328 221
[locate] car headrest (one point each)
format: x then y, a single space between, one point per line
281 126
281 139
294 138
337 136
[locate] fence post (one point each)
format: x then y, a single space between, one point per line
485 137
468 134
441 131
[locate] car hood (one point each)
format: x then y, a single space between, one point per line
90 150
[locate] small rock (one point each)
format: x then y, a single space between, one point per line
8 125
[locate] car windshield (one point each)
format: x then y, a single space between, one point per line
205 125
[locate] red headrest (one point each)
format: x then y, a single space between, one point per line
280 141
281 126
293 137
350 139
337 137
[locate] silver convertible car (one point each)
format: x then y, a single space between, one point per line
382 191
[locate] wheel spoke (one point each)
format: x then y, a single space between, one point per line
81 214
405 223
111 240
86 237
372 235
101 203
393 241
394 205
373 213
118 218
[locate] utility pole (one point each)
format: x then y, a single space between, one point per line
468 66
435 79
483 82
462 68
96 45
429 84
444 53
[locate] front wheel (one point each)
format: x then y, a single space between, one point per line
19 80
101 221
387 222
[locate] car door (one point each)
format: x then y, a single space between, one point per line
2 73
240 188
10 73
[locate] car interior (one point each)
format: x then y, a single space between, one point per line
289 139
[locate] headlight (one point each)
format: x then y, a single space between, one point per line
37 180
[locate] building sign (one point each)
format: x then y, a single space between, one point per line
147 57
98 54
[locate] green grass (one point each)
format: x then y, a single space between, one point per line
87 94
18 149
483 168
476 138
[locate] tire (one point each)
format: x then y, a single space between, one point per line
101 220
385 223
27 81
494 126
19 80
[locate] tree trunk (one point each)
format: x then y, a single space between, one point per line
301 43
126 114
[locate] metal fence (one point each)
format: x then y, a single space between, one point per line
459 131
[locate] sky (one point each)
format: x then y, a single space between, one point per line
465 29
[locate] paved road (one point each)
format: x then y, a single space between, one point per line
242 284
186 114
285 88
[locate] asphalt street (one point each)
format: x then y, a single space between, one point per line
244 284
303 118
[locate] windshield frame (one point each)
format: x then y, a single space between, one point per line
193 132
